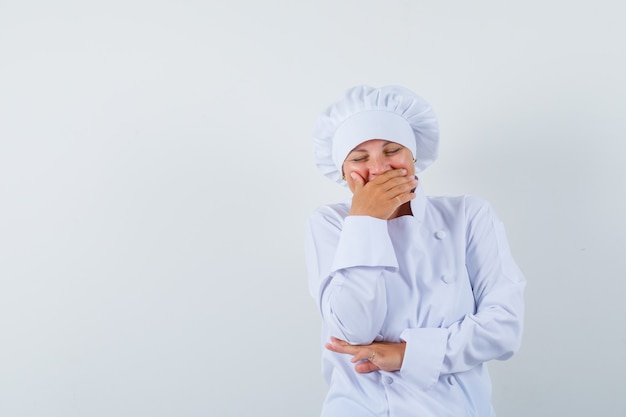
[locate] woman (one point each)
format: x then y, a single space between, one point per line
416 293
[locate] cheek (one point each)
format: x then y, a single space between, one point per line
347 169
359 169
350 185
406 163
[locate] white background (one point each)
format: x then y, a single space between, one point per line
156 172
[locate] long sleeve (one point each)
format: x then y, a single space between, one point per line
493 330
443 280
345 260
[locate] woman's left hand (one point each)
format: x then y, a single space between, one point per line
383 356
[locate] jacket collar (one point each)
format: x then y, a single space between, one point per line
418 204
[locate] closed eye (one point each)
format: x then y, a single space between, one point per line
359 159
392 151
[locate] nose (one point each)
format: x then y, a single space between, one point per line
378 166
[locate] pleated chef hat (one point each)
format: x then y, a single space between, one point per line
392 113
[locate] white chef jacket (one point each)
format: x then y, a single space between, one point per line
442 280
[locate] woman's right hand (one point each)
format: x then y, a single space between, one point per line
382 196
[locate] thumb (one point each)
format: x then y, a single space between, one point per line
358 180
365 367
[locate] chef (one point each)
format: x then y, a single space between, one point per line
416 293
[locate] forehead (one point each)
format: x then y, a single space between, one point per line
373 144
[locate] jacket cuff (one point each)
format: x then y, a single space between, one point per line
364 241
423 356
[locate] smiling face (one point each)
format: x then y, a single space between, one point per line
376 156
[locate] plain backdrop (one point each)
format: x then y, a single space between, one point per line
156 172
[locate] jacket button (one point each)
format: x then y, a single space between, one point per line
389 380
451 380
446 278
441 234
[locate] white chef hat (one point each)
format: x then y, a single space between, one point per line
393 113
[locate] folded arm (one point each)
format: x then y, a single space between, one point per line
346 260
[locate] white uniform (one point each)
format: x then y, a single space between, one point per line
443 280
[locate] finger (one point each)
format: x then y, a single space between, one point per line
386 176
340 346
362 354
331 347
404 198
359 181
400 184
397 186
336 348
365 367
